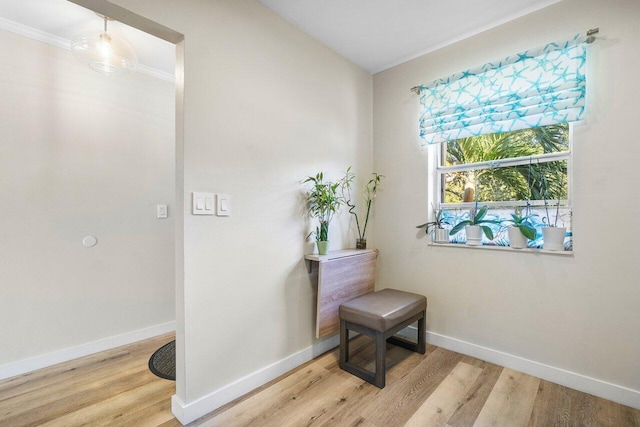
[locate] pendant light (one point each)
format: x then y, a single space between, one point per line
104 52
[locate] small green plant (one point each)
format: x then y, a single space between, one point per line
438 222
523 223
371 190
324 201
477 217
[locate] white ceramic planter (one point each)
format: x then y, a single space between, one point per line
553 238
441 235
474 235
516 238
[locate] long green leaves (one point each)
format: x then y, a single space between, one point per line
524 225
324 201
371 189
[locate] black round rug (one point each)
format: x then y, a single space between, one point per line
163 362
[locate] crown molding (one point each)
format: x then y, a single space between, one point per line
42 36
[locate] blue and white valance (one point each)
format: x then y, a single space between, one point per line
538 87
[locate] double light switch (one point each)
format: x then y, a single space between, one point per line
209 204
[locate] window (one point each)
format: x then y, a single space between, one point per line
503 140
527 172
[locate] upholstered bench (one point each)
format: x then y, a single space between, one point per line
380 315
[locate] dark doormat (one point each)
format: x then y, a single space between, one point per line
163 362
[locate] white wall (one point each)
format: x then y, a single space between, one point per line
264 106
579 313
81 154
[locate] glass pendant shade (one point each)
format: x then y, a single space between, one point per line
104 53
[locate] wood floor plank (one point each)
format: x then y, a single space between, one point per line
52 409
441 404
122 402
467 412
285 394
607 413
395 404
511 400
552 406
146 416
404 398
87 372
98 361
100 380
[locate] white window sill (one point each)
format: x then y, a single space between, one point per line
502 248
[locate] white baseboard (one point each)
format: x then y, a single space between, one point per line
23 366
188 412
616 393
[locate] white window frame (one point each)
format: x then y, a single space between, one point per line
437 173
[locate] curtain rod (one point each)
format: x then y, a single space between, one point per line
591 37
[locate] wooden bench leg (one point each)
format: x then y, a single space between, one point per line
381 354
344 344
422 345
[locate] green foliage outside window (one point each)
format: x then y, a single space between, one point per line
534 180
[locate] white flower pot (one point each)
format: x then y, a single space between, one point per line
553 238
474 235
441 235
516 238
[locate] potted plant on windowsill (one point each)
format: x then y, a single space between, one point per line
435 229
323 202
520 230
475 226
371 190
552 235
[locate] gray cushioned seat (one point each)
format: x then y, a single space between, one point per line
382 310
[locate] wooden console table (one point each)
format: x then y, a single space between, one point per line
341 276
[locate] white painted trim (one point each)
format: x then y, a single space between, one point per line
27 365
188 412
606 390
154 72
42 36
32 33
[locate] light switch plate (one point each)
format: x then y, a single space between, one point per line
161 211
223 205
202 203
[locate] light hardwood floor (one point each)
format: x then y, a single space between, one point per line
440 388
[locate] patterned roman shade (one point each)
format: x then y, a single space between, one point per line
538 87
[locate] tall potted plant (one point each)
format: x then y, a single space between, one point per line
371 189
323 202
552 235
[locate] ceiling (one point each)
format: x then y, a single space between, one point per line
379 34
375 34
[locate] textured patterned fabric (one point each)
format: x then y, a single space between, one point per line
538 87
